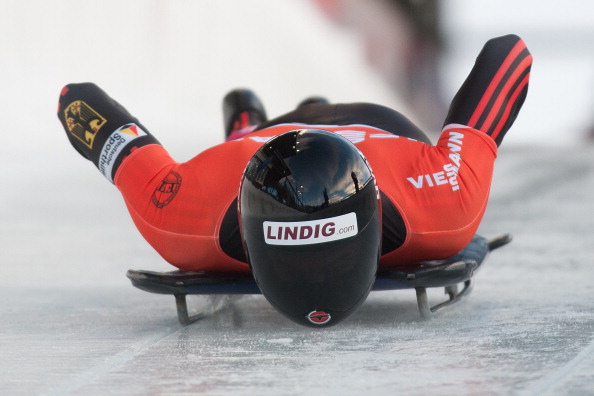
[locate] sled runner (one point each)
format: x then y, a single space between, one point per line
447 273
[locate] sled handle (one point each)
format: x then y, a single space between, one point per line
182 311
423 302
499 241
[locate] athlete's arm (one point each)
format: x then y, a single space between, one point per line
492 95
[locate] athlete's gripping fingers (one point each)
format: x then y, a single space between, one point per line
100 128
492 95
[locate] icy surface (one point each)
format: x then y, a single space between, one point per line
71 323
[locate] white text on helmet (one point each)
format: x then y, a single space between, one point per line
310 232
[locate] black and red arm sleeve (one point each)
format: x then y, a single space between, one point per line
493 93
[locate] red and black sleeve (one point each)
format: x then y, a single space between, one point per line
493 93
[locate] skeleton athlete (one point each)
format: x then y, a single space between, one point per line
314 201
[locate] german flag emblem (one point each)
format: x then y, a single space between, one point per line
83 122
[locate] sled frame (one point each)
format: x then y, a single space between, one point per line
449 274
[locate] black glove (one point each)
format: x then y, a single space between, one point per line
99 128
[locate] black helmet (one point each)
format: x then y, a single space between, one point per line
311 225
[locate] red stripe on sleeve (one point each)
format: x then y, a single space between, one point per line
501 98
514 53
510 104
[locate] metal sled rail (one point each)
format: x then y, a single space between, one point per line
182 283
439 273
452 291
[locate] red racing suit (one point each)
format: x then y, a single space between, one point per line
436 194
440 191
